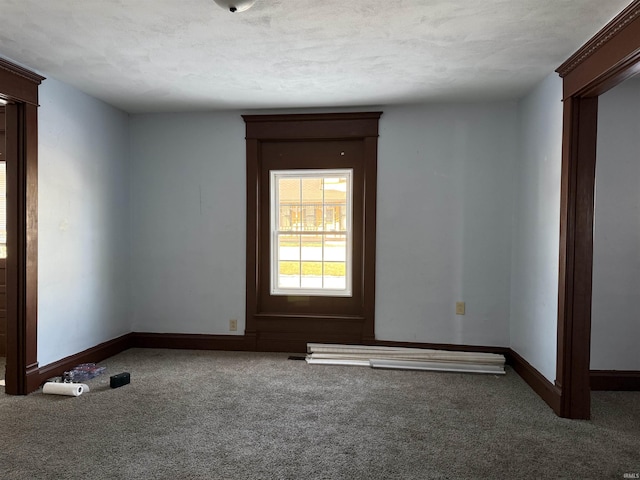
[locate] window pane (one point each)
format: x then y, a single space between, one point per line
335 202
312 203
288 275
334 218
335 248
311 275
311 247
285 223
335 275
311 229
289 247
288 203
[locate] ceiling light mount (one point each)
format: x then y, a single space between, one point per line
235 5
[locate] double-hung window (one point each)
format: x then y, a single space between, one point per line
311 232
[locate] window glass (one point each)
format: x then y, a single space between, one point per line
311 232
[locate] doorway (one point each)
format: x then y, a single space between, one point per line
3 250
19 95
609 58
615 331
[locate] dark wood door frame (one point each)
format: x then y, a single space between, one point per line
20 88
609 58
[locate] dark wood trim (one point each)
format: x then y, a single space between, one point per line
185 341
292 332
577 233
22 240
615 380
608 53
543 387
369 254
312 126
245 343
315 117
253 228
18 84
20 87
29 243
91 355
607 59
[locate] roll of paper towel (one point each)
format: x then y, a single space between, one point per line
69 389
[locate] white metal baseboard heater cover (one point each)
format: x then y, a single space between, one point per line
338 361
403 358
437 367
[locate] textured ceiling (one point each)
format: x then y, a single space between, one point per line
177 55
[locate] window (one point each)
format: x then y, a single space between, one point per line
311 232
311 218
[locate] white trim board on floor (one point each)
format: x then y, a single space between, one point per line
405 358
438 367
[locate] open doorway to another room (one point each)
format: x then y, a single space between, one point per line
615 330
604 62
3 249
19 297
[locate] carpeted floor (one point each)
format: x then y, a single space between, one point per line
231 415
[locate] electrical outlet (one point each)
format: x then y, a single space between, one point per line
460 308
233 325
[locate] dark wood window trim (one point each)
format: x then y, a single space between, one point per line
609 58
290 331
20 87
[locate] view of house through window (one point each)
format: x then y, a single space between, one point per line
311 232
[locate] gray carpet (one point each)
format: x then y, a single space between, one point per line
229 415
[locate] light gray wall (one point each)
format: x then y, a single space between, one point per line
444 222
534 277
149 234
188 222
83 237
615 322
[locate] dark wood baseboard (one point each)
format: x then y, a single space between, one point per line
186 341
539 384
32 378
91 355
622 380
